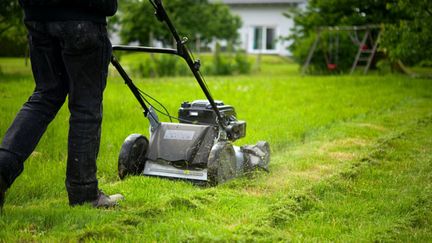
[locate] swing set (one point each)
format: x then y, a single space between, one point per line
366 46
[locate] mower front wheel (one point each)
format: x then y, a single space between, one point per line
221 163
131 160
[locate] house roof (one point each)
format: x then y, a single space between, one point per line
239 2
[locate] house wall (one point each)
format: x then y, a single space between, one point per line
267 16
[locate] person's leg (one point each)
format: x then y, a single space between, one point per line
32 120
86 54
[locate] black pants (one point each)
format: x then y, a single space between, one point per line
68 59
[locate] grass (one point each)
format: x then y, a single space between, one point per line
351 162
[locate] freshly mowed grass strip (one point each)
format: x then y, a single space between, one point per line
327 180
383 195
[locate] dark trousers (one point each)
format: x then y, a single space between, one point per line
68 59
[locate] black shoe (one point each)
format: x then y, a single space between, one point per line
105 201
3 188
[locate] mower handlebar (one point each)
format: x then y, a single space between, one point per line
181 50
184 52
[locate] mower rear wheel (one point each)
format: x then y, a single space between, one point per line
221 163
131 160
265 148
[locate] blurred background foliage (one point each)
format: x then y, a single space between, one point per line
405 24
13 36
406 30
192 18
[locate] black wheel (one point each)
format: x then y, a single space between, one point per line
132 155
221 163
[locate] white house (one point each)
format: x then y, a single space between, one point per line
264 24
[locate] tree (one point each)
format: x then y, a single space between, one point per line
409 38
10 15
191 18
12 32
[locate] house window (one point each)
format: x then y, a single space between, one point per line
258 38
264 38
270 39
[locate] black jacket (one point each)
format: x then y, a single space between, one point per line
66 10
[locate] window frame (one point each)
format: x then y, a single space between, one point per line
264 31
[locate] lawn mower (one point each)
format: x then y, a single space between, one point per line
199 148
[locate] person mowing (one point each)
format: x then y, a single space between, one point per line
69 53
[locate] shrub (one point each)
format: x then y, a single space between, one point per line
161 65
243 66
221 65
166 65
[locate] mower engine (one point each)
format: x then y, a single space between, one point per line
201 112
196 149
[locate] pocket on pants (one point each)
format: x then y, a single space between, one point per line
82 36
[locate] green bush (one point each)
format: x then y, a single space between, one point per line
384 66
228 63
145 70
243 66
166 65
12 47
221 65
154 66
408 38
162 65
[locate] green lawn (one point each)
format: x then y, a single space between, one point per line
352 161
